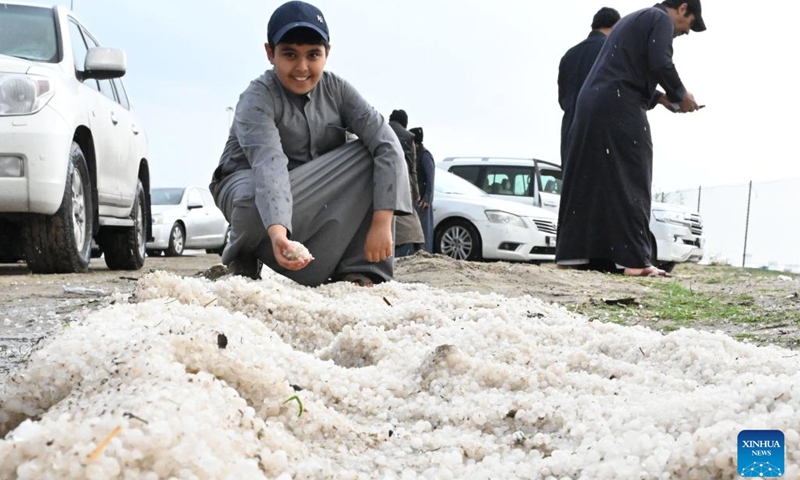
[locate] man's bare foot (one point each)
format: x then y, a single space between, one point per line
645 272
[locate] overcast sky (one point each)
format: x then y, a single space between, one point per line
479 76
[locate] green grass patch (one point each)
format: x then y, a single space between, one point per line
761 272
680 305
677 303
745 337
715 281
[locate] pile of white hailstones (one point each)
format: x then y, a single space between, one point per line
249 379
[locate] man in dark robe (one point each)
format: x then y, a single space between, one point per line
426 175
605 202
408 235
575 66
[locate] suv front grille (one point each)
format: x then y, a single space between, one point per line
545 226
697 224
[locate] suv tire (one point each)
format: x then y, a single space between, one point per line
666 266
458 239
124 247
62 242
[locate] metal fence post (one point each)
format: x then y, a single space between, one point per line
747 222
699 195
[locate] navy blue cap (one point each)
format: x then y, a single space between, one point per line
699 24
292 15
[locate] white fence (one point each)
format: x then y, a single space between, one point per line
753 225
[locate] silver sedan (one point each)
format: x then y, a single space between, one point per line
186 218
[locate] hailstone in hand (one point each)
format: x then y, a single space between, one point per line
298 251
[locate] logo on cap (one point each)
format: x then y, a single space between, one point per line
319 18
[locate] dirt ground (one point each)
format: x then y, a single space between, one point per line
756 306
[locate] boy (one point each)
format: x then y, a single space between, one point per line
287 171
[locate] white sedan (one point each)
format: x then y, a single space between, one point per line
186 218
471 225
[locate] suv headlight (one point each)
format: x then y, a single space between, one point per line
24 94
496 216
671 216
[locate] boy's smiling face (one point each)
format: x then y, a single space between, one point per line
299 67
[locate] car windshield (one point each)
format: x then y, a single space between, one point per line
446 182
28 32
166 196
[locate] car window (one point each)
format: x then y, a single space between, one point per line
551 181
166 196
79 51
194 198
90 40
29 32
469 173
447 182
504 180
122 95
107 89
207 198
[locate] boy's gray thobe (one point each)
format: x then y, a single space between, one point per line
287 162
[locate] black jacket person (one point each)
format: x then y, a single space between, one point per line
409 236
605 203
575 66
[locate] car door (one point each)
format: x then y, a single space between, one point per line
218 226
549 186
114 141
130 155
100 123
197 219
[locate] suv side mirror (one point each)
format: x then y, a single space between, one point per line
104 63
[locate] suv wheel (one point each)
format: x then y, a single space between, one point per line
458 239
666 266
124 247
177 241
61 243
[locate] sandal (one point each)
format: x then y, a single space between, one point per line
357 279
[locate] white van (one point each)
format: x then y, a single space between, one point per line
676 233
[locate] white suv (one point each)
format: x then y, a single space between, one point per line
676 233
73 159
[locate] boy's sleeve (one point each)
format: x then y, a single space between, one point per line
391 190
254 127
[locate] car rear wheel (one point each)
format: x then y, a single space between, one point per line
61 243
176 241
124 247
458 239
